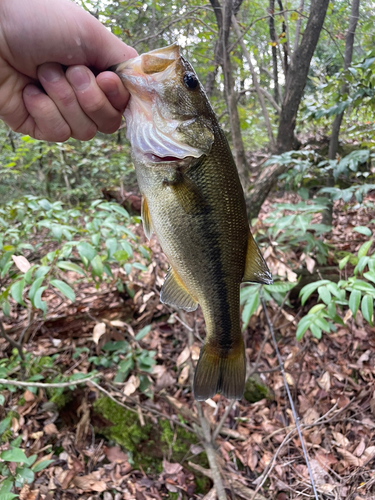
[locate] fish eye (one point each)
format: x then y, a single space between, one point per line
190 81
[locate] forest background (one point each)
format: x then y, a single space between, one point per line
292 84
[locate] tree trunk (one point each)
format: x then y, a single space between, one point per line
294 86
224 19
256 83
297 75
349 43
334 140
274 50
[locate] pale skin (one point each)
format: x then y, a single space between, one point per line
47 90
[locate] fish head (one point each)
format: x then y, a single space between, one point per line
168 115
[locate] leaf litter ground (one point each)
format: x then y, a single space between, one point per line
331 380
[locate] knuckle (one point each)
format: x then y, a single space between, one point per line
86 134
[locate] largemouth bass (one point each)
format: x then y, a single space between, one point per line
193 200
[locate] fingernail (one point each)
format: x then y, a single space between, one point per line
50 74
32 90
79 78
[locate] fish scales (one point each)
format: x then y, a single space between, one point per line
193 201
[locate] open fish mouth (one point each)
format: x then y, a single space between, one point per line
162 159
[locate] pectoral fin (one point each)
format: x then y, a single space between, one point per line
146 219
256 269
174 293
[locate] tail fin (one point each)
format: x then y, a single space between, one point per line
216 372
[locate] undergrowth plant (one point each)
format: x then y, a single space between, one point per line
338 302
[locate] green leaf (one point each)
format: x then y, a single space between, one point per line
38 302
364 248
325 294
316 331
97 266
16 291
121 256
34 288
367 308
344 261
5 424
119 209
6 309
86 250
70 266
41 465
23 476
363 230
303 325
14 455
251 306
142 333
64 289
354 300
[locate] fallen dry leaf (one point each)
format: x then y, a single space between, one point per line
325 381
115 454
29 396
131 385
50 429
183 356
21 262
171 468
184 375
99 330
350 458
340 439
91 482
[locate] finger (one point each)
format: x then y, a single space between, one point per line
114 89
44 121
52 77
92 99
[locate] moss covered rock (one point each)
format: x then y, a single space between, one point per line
255 389
148 445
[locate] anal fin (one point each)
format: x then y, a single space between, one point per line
256 269
146 219
174 293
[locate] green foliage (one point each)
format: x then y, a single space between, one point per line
85 242
292 226
24 472
348 295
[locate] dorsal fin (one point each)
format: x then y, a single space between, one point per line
146 219
256 269
174 293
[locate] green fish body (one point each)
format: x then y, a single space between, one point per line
193 200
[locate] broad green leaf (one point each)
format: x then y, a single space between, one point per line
367 308
249 309
316 308
16 291
303 325
38 302
344 261
325 294
354 300
121 256
86 250
142 333
97 266
5 424
34 288
70 266
316 331
6 309
363 230
64 288
14 455
364 248
24 476
41 465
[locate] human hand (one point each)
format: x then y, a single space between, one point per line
37 39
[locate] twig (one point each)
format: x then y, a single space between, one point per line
44 385
223 419
11 341
295 416
211 455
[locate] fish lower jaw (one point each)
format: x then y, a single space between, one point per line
153 158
